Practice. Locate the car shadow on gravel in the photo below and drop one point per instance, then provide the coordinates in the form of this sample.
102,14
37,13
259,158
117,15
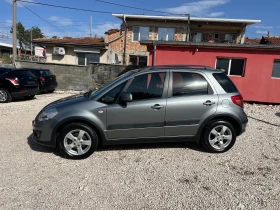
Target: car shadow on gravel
38,148
181,145
277,114
23,99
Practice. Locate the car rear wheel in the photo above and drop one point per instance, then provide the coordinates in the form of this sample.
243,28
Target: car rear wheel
219,137
77,141
5,96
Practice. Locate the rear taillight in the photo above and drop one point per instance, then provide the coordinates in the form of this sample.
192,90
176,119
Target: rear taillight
13,81
42,79
238,100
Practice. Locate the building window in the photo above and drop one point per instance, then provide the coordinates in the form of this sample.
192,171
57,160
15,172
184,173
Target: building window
197,37
231,66
166,34
216,36
140,33
230,37
85,59
136,60
276,69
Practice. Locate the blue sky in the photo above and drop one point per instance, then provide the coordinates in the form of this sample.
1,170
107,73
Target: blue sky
76,23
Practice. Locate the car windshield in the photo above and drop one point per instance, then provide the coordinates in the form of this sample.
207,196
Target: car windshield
121,77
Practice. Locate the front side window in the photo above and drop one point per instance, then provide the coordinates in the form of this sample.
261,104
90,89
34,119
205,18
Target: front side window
147,86
231,66
166,34
276,69
140,33
189,84
112,95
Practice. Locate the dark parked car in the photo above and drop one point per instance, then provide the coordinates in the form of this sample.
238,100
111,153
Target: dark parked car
46,79
17,83
164,103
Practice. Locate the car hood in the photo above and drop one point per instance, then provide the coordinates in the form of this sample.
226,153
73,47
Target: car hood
70,100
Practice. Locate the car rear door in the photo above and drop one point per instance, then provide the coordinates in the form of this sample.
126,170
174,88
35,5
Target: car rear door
191,100
144,116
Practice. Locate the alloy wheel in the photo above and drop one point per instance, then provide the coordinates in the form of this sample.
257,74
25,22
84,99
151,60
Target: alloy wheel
220,137
77,142
3,96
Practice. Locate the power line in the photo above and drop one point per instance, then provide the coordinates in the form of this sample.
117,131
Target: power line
42,18
131,7
64,7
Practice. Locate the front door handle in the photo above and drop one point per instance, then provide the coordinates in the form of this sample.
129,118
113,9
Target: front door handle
208,103
157,106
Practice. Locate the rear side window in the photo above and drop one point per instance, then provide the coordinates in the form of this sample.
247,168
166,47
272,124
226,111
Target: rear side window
23,74
189,84
46,73
225,82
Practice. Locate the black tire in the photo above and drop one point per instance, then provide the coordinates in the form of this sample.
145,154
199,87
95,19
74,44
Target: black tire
29,97
72,152
51,91
6,97
222,144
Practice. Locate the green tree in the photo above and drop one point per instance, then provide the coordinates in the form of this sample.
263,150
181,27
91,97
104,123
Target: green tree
24,35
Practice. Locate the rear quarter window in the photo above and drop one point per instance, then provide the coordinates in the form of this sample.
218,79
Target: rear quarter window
225,82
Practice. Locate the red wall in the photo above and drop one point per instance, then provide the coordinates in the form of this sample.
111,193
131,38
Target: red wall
256,85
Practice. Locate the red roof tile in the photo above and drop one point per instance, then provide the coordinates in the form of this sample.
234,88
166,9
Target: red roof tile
112,31
273,39
72,41
252,41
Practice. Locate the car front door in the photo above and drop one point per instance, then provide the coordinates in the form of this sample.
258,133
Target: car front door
191,100
144,116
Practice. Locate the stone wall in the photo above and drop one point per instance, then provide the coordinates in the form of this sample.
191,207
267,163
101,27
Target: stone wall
72,77
69,77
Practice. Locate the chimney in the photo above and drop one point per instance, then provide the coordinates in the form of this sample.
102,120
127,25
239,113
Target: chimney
268,34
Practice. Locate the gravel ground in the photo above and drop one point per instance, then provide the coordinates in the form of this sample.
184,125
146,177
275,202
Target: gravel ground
157,176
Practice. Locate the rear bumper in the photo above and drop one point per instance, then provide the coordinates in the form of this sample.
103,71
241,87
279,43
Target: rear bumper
48,86
28,92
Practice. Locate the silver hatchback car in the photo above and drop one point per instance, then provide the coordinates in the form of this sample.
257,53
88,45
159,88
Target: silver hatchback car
153,104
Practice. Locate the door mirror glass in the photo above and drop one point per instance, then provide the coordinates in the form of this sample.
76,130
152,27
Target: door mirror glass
126,97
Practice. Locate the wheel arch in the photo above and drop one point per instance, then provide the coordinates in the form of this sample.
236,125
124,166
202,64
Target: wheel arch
62,124
236,123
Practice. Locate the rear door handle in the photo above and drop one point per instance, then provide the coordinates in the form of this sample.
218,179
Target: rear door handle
208,103
157,106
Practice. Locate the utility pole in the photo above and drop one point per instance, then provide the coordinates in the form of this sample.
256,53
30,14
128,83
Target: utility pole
14,32
31,41
188,34
90,25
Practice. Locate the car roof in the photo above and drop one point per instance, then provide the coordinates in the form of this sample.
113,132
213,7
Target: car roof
180,67
37,69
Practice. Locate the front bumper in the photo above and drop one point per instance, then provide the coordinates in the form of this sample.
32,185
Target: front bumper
28,92
42,133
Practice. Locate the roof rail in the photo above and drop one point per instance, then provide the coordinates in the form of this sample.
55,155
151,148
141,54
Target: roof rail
189,66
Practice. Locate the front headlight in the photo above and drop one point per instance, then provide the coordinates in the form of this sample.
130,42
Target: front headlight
47,114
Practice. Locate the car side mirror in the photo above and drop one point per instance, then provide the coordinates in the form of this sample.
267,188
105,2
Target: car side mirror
126,97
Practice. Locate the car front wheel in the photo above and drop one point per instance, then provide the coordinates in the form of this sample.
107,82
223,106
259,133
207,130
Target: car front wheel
77,141
219,137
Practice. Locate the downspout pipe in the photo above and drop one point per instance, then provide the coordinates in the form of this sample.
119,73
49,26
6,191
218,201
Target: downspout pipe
155,53
125,37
